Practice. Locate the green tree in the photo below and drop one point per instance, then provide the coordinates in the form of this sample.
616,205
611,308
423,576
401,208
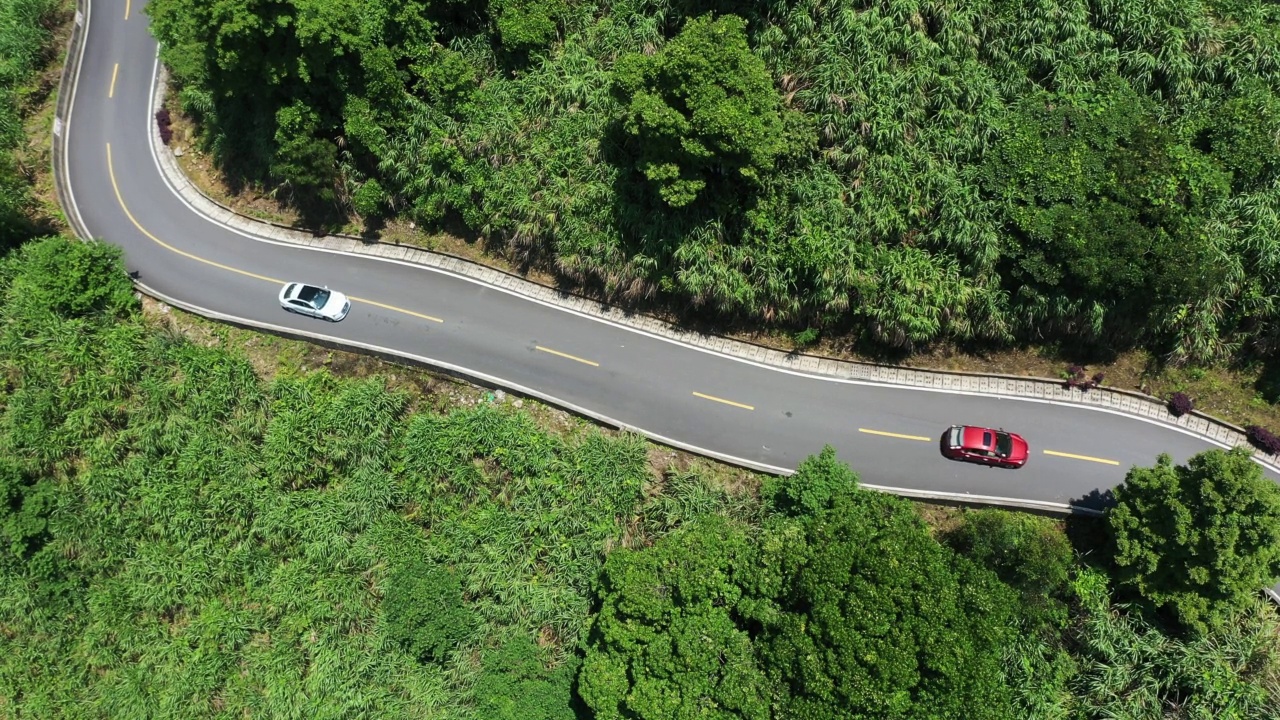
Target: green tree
425,610
1197,540
701,109
816,484
871,618
1106,207
665,644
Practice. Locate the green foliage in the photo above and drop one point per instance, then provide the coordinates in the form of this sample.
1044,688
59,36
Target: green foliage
1058,170
1243,134
516,684
25,505
1197,540
1129,669
370,200
871,617
1107,204
1027,552
426,613
25,27
700,109
72,280
665,643
303,162
526,24
182,539
197,542
816,484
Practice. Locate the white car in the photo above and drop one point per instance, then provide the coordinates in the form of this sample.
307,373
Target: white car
315,301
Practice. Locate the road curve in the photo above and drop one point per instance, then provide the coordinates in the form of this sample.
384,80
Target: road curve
754,415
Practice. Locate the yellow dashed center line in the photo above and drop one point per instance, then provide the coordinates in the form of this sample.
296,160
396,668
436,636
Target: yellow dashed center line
393,308
111,172
566,356
120,199
114,71
1104,461
713,398
126,9
894,435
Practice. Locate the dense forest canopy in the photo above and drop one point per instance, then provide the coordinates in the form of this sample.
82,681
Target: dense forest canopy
1103,171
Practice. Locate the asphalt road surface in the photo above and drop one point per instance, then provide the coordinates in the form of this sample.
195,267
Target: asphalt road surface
725,407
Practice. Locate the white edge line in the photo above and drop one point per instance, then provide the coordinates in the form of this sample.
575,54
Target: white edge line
1059,507
672,341
637,331
78,221
604,419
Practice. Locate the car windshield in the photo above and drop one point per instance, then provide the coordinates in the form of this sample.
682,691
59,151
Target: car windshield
314,295
1004,443
954,440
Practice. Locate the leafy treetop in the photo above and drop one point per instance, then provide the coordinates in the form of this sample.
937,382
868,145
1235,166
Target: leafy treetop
701,110
1197,540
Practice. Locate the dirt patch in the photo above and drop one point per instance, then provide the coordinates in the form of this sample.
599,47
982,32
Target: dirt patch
941,519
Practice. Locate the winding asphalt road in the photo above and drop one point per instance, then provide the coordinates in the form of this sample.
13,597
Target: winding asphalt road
755,415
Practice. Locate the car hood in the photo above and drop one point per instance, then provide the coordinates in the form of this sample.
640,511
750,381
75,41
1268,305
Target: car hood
1019,451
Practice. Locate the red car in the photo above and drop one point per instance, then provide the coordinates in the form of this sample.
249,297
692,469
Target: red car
984,446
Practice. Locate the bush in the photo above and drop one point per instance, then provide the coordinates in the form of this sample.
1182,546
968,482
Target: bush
370,199
816,484
516,684
71,279
425,611
1264,439
1180,404
1027,552
806,337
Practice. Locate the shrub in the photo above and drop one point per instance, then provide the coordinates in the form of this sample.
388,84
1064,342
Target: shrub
71,279
1264,439
516,684
370,199
1027,552
816,484
425,610
806,337
1097,379
1075,377
1180,404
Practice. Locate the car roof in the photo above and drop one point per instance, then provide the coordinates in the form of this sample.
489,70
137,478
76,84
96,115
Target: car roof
308,292
972,437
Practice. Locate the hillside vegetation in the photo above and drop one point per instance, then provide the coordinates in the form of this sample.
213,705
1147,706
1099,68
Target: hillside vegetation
1098,172
180,538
